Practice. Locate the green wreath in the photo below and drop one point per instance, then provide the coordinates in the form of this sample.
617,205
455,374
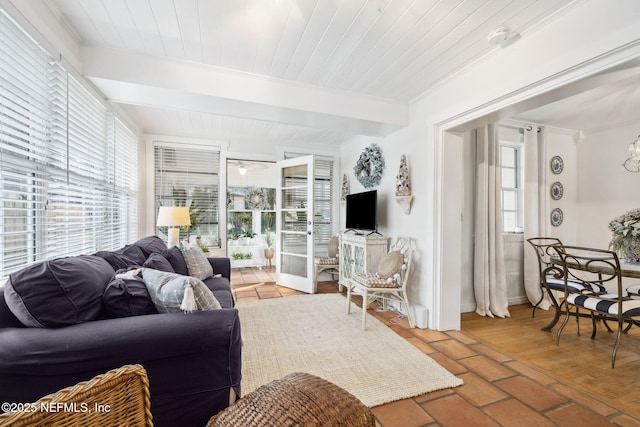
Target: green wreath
368,170
256,199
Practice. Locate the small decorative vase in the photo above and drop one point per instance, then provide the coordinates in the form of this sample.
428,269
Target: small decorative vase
268,254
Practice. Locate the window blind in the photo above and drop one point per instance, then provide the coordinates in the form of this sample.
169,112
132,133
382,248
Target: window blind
189,176
23,144
323,198
63,160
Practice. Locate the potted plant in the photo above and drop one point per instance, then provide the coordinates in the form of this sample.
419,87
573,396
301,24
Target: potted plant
233,236
626,235
248,235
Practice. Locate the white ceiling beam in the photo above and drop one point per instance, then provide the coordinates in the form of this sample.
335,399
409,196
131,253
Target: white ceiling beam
148,81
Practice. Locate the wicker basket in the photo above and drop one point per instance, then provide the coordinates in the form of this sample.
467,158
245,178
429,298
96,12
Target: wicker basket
119,397
298,399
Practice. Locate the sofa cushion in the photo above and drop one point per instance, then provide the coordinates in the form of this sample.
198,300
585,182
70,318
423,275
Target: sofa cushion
151,245
126,297
221,290
171,292
197,263
158,262
175,258
59,292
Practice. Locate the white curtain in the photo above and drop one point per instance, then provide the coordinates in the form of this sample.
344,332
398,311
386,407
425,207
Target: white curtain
490,283
535,204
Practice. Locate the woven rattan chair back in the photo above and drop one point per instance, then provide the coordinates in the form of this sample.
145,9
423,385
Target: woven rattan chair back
119,397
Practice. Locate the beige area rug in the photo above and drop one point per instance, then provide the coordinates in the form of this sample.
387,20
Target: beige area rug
314,334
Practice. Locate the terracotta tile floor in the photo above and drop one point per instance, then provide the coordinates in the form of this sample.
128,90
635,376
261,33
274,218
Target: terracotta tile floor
498,390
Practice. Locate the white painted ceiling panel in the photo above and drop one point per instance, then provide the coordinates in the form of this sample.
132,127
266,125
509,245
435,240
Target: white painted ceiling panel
389,49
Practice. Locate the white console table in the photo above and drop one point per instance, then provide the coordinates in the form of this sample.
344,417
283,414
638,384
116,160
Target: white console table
360,254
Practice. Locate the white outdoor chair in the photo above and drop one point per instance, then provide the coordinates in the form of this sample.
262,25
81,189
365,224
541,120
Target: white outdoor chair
330,263
389,282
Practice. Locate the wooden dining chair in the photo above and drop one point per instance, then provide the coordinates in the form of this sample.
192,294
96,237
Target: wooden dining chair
594,268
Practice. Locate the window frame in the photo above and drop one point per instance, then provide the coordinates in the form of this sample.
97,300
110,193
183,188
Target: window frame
518,189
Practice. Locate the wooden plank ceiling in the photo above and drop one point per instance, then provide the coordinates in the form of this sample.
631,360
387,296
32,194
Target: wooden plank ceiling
393,50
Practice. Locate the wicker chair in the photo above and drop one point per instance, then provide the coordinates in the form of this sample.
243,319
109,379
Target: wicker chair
389,283
119,397
330,263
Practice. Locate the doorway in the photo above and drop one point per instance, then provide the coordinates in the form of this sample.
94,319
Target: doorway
251,212
451,141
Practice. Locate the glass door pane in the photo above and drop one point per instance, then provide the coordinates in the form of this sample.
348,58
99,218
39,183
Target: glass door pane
294,266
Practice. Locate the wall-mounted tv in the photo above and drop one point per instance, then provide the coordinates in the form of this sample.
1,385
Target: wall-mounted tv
362,209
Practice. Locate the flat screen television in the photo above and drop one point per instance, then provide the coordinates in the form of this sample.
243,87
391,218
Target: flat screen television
362,211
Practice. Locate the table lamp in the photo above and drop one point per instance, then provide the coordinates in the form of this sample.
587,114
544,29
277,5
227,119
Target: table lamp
173,217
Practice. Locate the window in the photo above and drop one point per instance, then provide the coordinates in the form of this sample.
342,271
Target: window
189,176
511,164
323,222
245,218
62,191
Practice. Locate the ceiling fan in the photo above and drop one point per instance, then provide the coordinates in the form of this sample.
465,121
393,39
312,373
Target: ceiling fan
246,165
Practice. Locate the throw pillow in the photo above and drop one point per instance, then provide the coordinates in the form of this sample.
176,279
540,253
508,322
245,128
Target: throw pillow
59,292
171,292
134,253
158,262
151,245
390,264
125,297
175,258
197,263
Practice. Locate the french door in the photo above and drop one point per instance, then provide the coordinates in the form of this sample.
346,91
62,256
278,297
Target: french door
294,224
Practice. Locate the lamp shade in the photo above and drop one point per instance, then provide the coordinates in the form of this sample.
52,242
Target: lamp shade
173,216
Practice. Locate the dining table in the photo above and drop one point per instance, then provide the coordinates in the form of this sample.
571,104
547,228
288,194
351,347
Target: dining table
627,269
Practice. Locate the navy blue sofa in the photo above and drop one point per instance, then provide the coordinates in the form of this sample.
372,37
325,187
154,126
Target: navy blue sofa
193,360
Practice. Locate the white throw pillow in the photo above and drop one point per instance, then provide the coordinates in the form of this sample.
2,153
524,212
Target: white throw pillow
171,292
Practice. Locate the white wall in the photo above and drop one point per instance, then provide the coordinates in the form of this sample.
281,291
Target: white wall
577,44
605,189
561,142
392,221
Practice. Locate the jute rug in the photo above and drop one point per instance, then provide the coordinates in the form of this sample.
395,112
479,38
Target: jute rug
314,334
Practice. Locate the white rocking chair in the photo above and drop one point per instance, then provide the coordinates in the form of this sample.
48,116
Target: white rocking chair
389,283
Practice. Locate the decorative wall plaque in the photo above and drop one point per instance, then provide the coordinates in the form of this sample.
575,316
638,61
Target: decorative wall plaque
556,217
557,165
557,191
